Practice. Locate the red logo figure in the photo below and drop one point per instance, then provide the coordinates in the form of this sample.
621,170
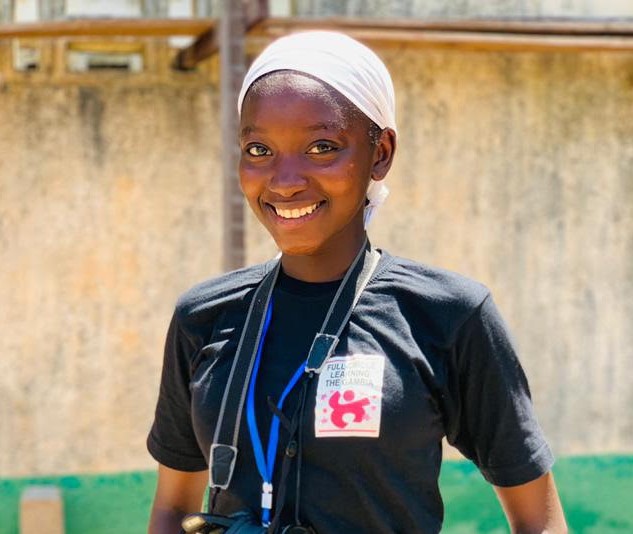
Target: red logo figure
357,408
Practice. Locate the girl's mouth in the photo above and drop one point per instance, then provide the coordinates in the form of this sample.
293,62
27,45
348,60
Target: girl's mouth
296,213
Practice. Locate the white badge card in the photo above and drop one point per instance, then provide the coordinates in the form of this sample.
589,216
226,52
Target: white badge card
349,396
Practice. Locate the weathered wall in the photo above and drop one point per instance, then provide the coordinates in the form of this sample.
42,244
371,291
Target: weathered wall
518,170
514,169
109,207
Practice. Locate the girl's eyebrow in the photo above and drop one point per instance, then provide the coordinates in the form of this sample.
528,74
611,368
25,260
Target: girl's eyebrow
327,125
247,130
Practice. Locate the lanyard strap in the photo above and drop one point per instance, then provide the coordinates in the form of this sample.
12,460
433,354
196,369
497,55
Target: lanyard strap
348,293
266,463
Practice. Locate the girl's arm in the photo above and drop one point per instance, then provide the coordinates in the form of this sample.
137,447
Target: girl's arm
178,493
534,507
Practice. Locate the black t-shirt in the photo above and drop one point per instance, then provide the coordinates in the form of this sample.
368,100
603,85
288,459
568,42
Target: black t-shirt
298,311
424,355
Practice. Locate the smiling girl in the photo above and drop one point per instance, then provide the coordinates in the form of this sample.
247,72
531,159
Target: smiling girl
358,363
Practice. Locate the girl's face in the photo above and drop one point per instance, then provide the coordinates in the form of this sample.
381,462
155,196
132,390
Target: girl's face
306,161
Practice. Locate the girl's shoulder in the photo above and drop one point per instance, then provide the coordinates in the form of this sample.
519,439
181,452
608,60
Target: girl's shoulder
433,303
228,289
429,290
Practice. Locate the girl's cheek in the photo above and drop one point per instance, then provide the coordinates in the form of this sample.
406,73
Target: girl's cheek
248,178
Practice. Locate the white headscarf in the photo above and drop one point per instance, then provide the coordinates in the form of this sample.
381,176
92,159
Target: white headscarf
348,66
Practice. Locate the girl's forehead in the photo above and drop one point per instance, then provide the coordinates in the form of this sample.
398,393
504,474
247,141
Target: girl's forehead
302,87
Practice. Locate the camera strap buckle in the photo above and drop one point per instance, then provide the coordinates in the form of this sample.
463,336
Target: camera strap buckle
221,465
322,348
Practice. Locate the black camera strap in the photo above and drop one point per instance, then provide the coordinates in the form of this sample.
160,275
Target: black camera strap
293,449
224,447
223,452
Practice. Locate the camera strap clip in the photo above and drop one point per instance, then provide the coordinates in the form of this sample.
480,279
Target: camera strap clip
222,462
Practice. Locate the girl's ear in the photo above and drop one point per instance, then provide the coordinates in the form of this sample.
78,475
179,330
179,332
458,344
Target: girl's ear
383,154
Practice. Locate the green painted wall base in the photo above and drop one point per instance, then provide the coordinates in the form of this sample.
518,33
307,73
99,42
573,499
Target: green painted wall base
597,496
597,493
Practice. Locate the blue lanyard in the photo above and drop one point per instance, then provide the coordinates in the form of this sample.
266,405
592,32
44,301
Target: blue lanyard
266,464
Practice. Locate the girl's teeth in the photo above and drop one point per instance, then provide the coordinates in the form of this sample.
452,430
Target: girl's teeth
296,213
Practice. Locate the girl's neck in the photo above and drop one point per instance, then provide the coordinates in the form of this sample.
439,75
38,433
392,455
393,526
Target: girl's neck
321,267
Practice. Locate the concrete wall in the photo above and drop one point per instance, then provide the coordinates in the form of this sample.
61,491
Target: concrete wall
109,207
518,170
514,169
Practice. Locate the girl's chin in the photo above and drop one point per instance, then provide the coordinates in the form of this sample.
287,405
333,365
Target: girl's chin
305,246
297,250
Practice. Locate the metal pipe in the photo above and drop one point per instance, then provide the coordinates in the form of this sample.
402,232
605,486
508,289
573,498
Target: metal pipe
232,70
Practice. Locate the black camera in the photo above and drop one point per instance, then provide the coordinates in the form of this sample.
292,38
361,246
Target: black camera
239,523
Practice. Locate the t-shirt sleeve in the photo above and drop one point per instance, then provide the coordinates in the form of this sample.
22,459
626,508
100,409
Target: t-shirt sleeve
171,440
495,423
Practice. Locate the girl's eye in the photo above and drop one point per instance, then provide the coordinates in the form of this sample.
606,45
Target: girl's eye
258,150
321,148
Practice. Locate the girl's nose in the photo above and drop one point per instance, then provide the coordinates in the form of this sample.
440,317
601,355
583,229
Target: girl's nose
287,178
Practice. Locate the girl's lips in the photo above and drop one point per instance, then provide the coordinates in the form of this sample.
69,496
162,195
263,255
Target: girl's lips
294,215
296,212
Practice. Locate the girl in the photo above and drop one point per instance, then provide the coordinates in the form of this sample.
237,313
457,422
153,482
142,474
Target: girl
315,389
